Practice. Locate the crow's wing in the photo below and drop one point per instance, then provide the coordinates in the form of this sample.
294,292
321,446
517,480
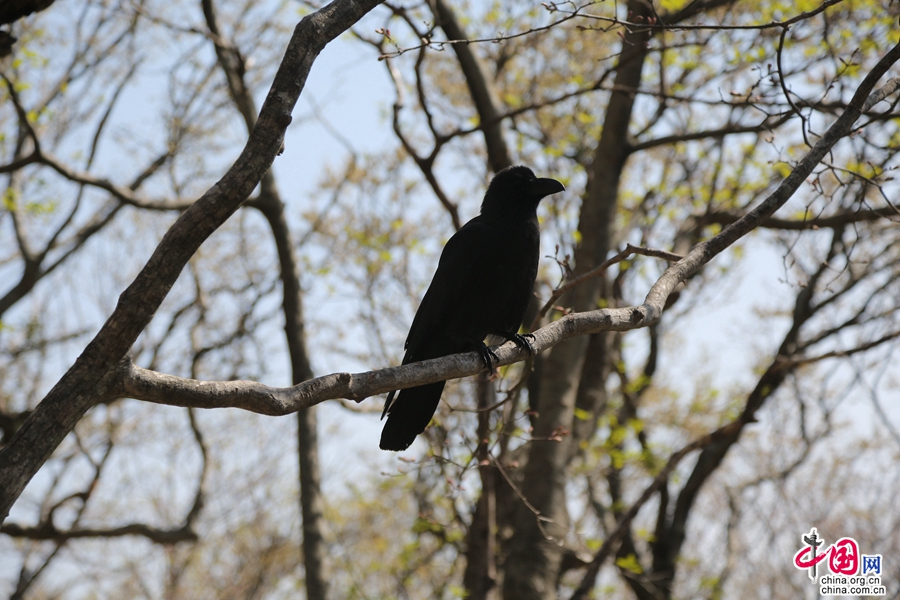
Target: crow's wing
461,286
442,326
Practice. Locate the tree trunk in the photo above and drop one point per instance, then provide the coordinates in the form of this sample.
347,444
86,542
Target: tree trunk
536,548
315,556
480,577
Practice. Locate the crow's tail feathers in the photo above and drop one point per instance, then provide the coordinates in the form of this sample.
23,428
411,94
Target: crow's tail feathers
409,415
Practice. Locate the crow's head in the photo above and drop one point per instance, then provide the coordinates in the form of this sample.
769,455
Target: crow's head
516,191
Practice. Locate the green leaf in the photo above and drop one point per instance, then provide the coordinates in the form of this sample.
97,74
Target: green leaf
630,563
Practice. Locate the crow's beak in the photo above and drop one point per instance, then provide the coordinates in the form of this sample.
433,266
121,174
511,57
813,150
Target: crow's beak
546,186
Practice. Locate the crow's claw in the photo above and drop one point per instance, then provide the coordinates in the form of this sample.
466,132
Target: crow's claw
525,342
486,355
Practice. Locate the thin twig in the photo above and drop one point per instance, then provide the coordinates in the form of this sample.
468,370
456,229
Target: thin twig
600,270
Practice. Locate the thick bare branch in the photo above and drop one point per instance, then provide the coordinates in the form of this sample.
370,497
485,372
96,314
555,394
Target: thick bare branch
143,384
49,532
826,222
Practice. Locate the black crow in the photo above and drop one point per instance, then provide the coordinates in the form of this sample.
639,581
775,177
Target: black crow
482,286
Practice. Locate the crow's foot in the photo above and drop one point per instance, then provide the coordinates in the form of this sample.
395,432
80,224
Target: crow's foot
525,342
486,355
